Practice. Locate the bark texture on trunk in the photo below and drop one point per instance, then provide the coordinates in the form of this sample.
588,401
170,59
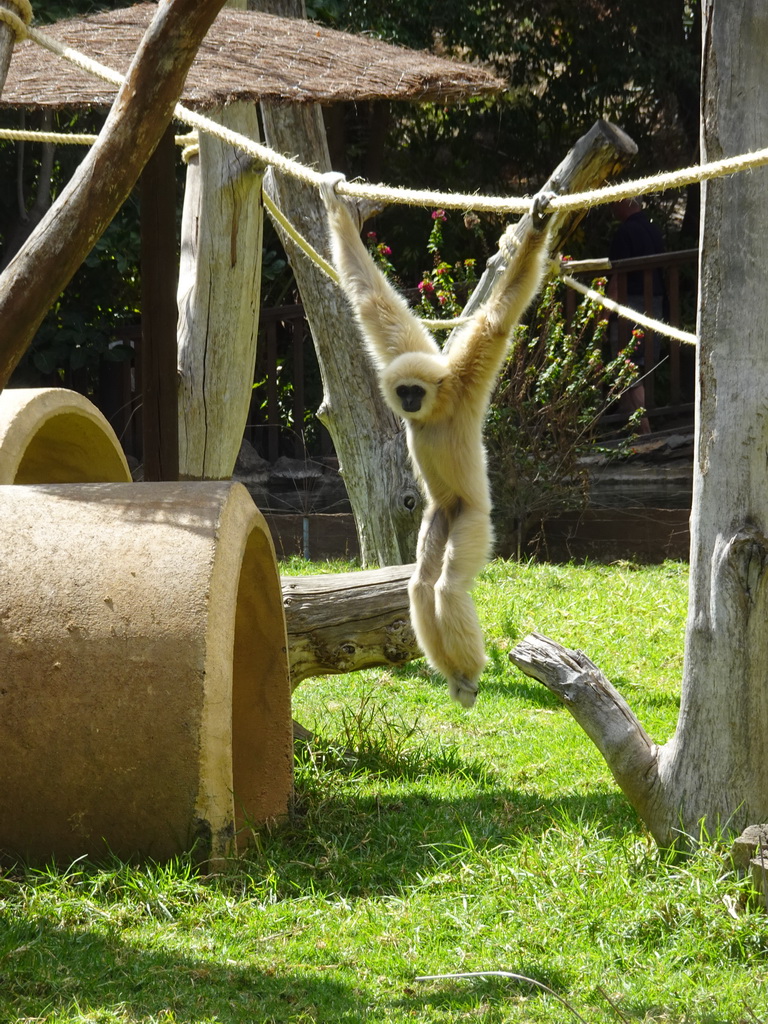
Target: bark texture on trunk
7,39
218,299
342,622
139,116
715,767
718,761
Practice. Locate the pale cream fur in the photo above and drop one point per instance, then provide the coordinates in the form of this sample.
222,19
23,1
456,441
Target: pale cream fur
445,435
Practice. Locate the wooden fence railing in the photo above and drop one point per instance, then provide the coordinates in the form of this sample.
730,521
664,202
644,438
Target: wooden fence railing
668,363
288,389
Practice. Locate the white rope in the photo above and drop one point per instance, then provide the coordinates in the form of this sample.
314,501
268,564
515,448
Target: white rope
628,313
18,22
306,247
413,197
59,138
416,197
268,156
188,142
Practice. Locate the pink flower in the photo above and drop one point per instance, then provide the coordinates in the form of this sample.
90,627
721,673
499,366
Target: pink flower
371,236
385,250
439,215
426,287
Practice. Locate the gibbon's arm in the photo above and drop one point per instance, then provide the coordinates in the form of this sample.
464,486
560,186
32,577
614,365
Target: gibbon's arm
478,351
388,326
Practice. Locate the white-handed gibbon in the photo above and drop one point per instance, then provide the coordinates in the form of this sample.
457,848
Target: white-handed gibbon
443,398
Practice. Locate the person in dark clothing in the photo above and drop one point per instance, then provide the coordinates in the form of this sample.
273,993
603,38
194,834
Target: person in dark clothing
635,236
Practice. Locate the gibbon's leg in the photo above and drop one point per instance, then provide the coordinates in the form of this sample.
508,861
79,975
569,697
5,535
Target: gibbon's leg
430,556
467,551
433,535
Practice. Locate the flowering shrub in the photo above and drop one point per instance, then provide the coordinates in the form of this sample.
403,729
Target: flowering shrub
556,384
380,252
439,286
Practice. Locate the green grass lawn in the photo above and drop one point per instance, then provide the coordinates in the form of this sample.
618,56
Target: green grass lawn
425,840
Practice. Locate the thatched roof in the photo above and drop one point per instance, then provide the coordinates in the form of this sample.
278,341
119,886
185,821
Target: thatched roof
245,56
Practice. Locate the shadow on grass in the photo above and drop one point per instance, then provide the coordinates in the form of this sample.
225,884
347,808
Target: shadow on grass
353,846
47,970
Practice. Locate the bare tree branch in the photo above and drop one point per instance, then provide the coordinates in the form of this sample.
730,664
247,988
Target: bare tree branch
140,114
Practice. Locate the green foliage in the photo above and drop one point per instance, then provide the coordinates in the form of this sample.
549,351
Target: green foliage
567,63
445,286
544,414
425,839
380,253
83,328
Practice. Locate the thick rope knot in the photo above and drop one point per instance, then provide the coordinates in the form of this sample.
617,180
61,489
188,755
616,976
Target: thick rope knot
18,19
190,146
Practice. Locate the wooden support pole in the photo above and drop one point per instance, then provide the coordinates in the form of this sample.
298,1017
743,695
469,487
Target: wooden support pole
7,39
142,110
158,313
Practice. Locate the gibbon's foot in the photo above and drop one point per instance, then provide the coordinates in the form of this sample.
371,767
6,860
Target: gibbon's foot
328,184
539,213
463,690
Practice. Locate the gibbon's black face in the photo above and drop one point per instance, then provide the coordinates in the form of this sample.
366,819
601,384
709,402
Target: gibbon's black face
411,396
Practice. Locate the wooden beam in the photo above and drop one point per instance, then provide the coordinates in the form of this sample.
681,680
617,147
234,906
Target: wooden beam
159,275
45,264
342,622
7,39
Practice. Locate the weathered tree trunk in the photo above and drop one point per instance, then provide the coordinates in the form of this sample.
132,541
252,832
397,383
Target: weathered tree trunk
718,761
7,39
715,767
601,154
369,440
218,299
139,116
342,622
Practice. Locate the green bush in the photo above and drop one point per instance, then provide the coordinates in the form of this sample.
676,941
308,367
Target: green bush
544,415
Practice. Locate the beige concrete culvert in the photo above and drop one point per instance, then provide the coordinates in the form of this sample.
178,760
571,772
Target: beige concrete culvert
52,435
144,691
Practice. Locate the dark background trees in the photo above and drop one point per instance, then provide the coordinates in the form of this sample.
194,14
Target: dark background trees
568,62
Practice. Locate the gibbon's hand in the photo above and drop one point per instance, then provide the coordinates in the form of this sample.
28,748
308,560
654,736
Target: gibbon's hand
539,214
328,192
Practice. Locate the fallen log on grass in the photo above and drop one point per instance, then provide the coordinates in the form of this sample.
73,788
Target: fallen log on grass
342,622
